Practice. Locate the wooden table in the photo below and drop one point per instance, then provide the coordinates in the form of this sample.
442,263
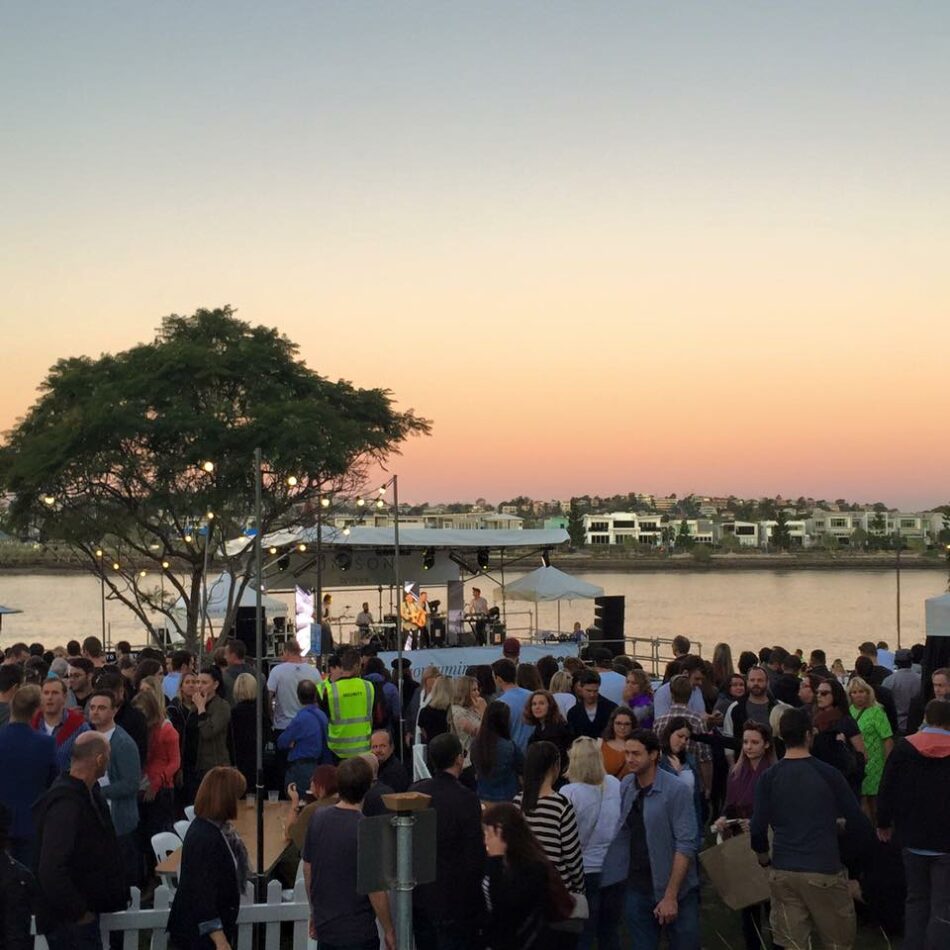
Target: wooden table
246,826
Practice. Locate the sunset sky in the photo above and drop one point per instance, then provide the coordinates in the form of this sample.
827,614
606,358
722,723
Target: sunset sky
603,246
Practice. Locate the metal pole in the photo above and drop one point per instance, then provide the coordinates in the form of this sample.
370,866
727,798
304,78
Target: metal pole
319,591
898,590
402,737
504,602
259,650
404,880
102,597
204,590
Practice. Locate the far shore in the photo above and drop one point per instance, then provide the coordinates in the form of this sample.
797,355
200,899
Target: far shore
581,562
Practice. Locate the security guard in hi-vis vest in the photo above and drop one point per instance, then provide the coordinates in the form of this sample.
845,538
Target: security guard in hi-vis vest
348,700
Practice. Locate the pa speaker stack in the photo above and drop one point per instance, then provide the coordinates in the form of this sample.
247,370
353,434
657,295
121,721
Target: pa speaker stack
607,631
245,628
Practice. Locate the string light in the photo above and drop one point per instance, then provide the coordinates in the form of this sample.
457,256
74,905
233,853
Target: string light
208,466
301,548
324,502
115,565
49,500
142,573
292,481
272,550
360,502
99,552
188,538
165,565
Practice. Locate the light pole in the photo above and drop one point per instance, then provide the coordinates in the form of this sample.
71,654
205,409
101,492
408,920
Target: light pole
102,591
259,650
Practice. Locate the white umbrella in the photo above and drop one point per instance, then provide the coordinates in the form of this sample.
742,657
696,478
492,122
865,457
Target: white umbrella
547,584
8,610
937,613
937,642
219,593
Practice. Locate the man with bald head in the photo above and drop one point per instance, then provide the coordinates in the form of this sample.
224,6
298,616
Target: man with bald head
79,866
391,771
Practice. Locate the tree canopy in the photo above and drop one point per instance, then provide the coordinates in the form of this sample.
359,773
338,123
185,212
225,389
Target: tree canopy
111,458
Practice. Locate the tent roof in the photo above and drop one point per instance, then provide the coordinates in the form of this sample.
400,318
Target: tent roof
548,583
218,599
937,613
363,537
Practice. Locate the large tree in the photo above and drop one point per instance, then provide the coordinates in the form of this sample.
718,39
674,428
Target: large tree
138,460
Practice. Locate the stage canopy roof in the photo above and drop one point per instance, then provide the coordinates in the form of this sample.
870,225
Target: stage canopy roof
439,538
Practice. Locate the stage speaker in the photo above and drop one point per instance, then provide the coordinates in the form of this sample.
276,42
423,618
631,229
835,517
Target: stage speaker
245,628
608,623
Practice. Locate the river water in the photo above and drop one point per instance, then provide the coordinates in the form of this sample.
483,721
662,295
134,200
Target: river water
834,610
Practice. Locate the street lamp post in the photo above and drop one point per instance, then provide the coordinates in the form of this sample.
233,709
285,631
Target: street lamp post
102,591
259,650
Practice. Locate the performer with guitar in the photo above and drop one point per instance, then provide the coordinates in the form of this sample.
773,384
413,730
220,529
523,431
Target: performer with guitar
414,619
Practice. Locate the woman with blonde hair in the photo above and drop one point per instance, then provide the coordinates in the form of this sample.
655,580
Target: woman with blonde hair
595,796
875,728
434,716
160,767
638,695
244,725
153,684
562,688
466,711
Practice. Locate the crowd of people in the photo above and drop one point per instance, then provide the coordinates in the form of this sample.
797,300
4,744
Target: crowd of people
572,797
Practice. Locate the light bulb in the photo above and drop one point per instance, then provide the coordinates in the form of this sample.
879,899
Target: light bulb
208,467
292,480
360,502
325,502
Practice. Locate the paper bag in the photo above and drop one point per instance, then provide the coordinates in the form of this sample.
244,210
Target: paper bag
735,873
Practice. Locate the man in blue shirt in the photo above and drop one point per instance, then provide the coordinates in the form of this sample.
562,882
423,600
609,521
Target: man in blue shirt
651,863
515,698
27,769
801,799
692,666
305,737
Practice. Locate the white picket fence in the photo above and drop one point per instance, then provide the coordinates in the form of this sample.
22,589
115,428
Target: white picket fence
132,922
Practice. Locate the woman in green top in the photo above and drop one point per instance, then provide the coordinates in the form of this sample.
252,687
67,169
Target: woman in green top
878,741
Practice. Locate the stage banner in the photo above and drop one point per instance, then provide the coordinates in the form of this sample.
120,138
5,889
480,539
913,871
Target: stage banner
303,608
455,612
453,661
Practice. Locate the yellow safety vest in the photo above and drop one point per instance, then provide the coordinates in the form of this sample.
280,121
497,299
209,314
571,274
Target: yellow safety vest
350,702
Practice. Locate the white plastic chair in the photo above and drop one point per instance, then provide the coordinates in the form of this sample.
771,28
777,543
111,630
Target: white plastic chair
190,812
164,844
287,894
181,828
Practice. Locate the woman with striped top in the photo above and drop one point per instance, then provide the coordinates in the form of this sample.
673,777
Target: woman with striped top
551,817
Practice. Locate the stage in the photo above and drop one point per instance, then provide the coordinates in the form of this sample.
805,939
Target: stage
453,661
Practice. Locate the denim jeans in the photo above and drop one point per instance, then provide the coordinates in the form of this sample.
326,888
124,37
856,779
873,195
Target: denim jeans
76,937
927,910
644,931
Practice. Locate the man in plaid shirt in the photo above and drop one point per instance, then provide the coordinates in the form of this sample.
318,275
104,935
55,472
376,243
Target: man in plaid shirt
680,690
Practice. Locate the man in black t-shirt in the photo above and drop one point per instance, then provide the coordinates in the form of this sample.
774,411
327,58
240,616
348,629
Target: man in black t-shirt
801,799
